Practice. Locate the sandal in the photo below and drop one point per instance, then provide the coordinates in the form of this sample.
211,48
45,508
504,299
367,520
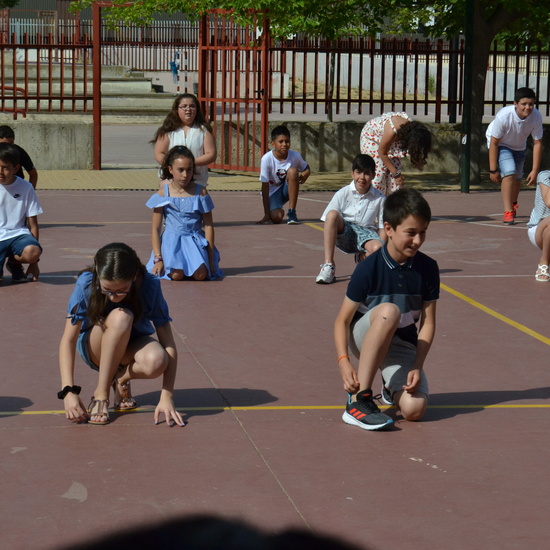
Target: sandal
127,402
542,274
99,407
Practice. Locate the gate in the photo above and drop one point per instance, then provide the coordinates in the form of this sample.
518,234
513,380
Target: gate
233,88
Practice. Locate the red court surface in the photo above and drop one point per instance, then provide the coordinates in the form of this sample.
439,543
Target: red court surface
259,385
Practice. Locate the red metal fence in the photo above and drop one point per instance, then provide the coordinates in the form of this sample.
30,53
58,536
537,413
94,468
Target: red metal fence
353,76
45,77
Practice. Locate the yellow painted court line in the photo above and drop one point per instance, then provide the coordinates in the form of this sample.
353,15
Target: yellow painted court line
497,315
289,408
315,226
480,306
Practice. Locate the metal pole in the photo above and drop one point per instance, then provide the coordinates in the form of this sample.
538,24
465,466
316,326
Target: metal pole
96,72
467,109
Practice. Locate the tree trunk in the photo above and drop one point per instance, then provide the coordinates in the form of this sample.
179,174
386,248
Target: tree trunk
484,32
479,74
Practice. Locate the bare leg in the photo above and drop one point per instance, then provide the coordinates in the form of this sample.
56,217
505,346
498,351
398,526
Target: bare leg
201,273
372,246
277,215
334,225
384,320
293,181
509,188
107,348
412,405
146,359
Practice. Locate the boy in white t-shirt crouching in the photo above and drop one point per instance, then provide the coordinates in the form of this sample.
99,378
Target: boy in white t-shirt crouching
282,171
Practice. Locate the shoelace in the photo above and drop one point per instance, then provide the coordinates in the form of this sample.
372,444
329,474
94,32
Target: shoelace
369,404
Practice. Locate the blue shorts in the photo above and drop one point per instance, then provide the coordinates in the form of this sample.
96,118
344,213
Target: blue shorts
278,199
15,246
354,236
83,347
510,162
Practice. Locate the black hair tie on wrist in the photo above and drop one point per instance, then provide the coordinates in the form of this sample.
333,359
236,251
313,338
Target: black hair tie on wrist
68,389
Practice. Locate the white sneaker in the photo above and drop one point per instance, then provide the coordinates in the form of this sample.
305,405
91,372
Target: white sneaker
326,275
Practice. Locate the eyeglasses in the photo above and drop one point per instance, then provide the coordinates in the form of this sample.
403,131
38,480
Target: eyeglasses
188,107
116,294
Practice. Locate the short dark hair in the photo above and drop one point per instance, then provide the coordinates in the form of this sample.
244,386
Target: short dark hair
363,163
6,132
9,153
403,203
280,131
524,93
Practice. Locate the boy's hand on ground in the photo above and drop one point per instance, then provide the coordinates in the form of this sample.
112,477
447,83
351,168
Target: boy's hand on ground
34,271
349,376
413,379
265,220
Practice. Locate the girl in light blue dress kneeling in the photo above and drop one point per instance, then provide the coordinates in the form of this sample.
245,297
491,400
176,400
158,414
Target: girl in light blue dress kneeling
184,248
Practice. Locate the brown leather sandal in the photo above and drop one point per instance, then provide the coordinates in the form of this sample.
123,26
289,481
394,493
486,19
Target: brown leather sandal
127,402
99,407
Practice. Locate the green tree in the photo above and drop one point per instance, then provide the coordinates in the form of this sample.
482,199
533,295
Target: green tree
8,3
525,19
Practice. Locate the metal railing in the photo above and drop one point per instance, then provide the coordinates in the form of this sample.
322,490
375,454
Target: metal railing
45,77
348,77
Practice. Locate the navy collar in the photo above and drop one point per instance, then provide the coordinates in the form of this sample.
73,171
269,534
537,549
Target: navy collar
391,263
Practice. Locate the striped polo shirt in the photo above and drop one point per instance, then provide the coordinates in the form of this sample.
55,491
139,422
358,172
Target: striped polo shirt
380,279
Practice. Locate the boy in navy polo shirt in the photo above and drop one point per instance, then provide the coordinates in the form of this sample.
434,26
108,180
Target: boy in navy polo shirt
389,292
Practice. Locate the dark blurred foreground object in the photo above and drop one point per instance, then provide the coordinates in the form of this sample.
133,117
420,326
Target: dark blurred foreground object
211,533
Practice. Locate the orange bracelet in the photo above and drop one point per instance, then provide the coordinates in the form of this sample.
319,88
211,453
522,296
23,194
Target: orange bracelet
340,358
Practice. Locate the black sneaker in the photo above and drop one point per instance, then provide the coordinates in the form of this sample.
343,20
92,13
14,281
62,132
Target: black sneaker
17,274
386,396
364,413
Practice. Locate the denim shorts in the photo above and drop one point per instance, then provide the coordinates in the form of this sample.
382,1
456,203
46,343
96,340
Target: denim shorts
278,199
354,236
84,349
511,162
16,245
398,362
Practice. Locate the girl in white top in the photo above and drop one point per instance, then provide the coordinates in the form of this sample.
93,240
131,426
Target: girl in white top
185,125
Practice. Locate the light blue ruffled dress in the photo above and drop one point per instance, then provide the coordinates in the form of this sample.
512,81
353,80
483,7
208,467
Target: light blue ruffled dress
183,242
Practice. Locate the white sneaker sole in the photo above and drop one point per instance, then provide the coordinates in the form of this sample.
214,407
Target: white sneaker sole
321,281
349,419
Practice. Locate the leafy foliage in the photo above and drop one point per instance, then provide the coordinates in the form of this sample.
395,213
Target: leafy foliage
527,19
8,4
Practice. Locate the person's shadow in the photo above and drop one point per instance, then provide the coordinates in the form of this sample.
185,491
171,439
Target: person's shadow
207,401
447,405
12,405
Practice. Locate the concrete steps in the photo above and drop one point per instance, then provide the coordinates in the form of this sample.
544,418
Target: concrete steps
151,104
123,92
